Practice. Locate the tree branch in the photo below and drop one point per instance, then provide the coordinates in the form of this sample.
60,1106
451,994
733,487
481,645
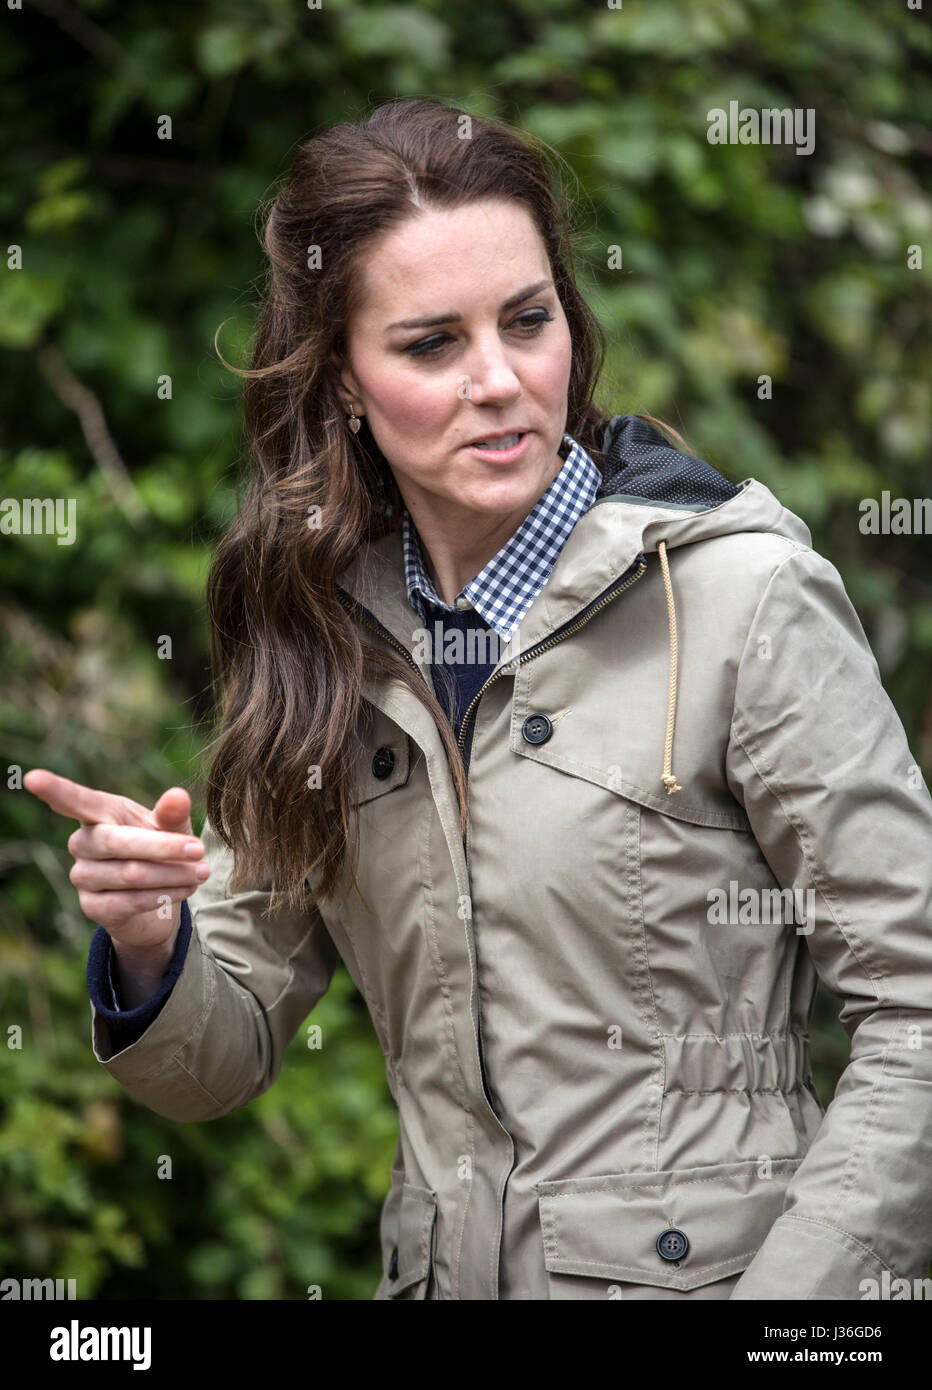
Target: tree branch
79,398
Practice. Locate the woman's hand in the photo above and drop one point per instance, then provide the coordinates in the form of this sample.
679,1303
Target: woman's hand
132,867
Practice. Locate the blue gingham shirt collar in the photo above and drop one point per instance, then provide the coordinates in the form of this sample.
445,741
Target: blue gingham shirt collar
504,589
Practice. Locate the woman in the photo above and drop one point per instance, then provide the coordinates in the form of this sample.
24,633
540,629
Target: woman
590,966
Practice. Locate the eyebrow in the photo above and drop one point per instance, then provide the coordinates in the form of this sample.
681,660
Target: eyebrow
436,319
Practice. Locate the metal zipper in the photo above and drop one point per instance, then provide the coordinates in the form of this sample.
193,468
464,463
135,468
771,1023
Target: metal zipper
356,608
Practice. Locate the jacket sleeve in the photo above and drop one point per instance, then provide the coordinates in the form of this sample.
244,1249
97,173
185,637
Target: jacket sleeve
819,759
246,984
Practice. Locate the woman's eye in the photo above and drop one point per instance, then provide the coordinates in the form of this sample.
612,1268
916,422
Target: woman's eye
533,324
528,325
424,348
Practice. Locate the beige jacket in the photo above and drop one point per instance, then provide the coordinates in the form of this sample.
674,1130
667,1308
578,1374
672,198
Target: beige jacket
594,1013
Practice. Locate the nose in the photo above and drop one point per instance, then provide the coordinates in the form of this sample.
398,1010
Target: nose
491,378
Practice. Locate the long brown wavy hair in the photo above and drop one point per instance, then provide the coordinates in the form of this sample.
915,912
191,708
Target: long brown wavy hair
288,659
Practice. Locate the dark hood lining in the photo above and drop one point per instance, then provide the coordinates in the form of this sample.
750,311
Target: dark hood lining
641,462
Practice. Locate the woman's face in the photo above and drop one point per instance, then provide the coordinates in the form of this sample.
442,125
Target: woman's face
460,334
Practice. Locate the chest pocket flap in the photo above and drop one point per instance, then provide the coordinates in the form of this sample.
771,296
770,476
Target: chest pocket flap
607,724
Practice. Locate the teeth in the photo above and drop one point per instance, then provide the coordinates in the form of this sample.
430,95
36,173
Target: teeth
508,442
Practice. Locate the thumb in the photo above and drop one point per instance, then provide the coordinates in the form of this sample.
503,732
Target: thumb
172,811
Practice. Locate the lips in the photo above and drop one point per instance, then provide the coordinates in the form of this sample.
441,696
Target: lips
501,450
504,439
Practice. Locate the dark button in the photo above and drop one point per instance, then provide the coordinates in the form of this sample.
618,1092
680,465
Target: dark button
672,1245
537,728
382,763
393,1264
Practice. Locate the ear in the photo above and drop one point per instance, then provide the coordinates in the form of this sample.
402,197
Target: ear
351,393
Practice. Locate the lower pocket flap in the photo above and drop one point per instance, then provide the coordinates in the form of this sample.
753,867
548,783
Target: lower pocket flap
610,1226
411,1256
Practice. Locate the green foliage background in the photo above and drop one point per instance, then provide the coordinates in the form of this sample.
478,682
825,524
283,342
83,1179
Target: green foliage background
737,261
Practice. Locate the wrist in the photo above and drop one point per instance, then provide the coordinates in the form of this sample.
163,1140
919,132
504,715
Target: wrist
137,972
148,958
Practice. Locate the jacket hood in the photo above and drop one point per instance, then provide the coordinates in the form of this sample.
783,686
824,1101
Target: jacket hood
664,498
659,492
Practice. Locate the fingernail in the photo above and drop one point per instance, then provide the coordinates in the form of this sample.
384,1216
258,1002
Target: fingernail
193,848
201,872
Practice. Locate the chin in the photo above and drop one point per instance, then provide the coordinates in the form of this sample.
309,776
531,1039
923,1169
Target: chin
502,500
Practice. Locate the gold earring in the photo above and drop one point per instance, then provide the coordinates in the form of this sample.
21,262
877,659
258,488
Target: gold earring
354,422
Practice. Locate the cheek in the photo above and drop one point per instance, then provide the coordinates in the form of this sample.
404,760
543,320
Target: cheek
403,404
554,373
545,374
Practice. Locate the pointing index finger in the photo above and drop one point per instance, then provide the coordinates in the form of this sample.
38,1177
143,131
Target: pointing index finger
67,798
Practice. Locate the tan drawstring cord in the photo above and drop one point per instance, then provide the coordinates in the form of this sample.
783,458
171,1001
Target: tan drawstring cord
668,778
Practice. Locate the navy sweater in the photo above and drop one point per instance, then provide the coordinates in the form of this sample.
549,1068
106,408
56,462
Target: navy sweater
126,1026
